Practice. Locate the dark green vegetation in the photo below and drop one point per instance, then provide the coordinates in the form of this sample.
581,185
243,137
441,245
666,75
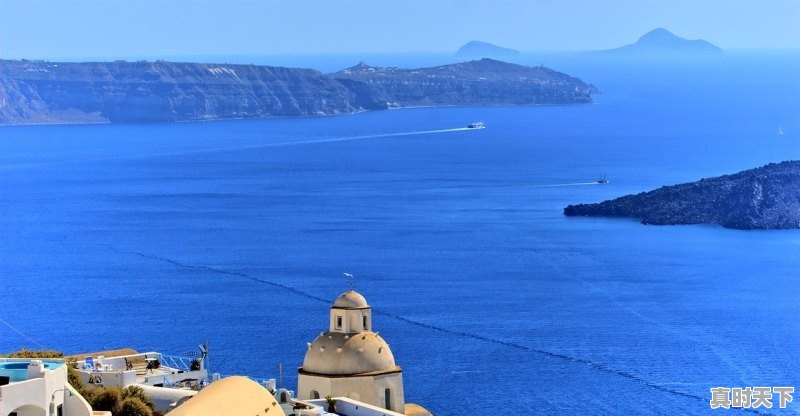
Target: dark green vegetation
49,92
128,401
763,198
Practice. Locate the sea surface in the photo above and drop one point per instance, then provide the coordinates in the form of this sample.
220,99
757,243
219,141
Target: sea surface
163,236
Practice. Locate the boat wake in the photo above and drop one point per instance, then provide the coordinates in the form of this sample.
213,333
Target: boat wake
341,139
242,147
509,344
556,185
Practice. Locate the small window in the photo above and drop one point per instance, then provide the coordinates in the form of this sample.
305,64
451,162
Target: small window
366,326
314,394
339,322
388,396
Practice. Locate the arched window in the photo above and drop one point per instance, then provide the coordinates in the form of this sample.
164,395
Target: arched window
29,409
283,397
388,397
366,325
314,394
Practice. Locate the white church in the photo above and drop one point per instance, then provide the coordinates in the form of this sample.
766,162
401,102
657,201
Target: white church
349,360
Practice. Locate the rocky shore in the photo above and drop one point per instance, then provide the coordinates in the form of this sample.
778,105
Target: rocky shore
763,198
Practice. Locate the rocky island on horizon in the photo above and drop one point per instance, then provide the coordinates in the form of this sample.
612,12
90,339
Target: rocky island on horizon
661,43
34,92
762,198
478,49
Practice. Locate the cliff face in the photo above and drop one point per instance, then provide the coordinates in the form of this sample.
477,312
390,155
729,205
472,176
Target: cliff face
43,92
763,198
483,82
164,91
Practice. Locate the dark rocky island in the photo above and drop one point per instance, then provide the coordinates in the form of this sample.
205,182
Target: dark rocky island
763,198
477,49
663,43
50,92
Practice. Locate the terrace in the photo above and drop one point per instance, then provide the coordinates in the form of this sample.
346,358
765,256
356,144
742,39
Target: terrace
149,369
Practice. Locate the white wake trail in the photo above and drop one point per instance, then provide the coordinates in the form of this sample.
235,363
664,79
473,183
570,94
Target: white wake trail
561,184
330,140
245,147
551,185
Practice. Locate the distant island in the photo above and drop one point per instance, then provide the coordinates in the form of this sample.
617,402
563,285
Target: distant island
763,198
57,92
662,43
482,82
477,49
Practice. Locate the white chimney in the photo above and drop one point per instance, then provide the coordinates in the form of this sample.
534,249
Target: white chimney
35,369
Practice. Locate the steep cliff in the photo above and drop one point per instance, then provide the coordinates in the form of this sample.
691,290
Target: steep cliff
483,82
763,198
47,92
164,91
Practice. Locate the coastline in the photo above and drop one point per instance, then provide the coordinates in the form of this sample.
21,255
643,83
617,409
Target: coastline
412,107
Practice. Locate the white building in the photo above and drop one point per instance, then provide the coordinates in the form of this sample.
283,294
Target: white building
165,379
34,387
142,369
349,360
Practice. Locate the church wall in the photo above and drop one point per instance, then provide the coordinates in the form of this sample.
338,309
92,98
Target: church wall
307,383
367,389
352,320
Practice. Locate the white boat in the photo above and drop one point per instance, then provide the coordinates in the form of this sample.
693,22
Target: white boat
603,180
476,125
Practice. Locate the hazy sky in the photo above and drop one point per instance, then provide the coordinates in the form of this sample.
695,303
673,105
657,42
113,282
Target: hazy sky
129,28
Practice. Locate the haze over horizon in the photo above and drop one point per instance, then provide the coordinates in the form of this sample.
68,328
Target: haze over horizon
48,29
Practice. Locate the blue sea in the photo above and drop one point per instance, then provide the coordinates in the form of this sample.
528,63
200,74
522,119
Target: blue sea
163,236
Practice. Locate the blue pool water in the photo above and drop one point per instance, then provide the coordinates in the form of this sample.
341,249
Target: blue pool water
161,236
18,370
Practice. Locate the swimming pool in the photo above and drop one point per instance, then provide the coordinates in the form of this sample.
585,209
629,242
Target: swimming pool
17,370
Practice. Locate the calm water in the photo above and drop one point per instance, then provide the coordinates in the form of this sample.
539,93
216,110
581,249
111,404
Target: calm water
165,235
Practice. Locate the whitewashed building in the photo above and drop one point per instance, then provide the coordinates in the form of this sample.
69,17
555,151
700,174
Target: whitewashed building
38,387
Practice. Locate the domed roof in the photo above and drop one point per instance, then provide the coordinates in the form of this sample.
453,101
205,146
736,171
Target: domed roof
335,353
233,396
350,300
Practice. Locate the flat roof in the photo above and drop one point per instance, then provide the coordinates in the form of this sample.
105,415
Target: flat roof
107,353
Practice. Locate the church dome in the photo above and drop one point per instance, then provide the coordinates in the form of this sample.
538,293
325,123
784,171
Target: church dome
234,395
336,353
350,300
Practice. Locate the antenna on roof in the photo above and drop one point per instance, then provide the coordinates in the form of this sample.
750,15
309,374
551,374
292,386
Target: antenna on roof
350,280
